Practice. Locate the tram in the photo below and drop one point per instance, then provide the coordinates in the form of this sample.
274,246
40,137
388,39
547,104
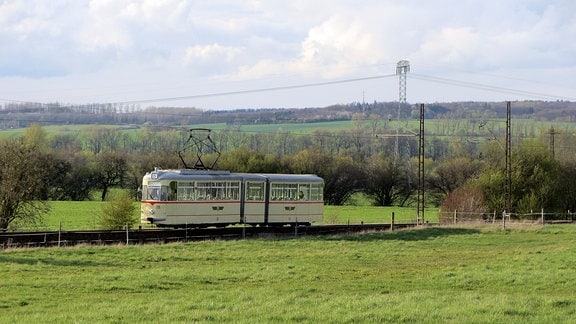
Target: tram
203,198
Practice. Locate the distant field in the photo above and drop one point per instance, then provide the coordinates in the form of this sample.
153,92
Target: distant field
300,128
433,127
425,275
72,215
54,129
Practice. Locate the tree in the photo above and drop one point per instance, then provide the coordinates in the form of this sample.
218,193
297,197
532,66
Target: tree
244,160
312,161
79,182
389,182
342,177
453,173
54,168
56,173
35,136
21,184
566,186
118,212
111,169
466,199
384,179
534,176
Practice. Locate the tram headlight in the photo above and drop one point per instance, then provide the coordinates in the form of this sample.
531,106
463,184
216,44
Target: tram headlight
151,212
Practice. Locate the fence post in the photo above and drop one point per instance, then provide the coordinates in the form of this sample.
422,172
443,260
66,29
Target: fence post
542,216
127,236
455,216
392,223
296,228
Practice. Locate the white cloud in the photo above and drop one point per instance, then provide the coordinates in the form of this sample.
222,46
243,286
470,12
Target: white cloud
339,40
283,42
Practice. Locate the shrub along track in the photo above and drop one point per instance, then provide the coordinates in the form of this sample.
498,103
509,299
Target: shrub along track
142,236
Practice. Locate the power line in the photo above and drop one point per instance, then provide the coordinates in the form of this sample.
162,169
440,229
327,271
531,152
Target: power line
240,92
427,78
228,93
486,87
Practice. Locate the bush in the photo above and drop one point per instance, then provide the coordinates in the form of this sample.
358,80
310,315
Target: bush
118,212
467,200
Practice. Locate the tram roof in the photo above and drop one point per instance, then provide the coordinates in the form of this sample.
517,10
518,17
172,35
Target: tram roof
190,174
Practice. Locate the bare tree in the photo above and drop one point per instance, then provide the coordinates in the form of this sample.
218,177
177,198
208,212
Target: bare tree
453,173
111,170
21,184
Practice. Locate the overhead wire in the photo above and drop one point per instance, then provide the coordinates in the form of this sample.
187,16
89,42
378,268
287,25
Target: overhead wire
227,93
257,90
317,84
427,78
486,87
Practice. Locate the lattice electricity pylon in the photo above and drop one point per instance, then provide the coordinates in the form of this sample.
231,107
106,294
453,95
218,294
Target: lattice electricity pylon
199,141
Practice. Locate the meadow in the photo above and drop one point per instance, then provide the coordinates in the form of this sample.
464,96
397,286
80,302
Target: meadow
434,127
83,215
424,275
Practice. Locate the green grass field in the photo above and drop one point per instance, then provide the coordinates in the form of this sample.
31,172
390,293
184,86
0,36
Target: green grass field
433,126
426,275
83,215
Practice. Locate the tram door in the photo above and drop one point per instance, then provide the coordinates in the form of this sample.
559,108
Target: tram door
254,202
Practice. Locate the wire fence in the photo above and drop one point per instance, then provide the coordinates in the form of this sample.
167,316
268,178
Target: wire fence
505,219
443,218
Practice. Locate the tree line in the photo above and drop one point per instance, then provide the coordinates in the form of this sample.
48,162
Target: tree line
460,174
23,114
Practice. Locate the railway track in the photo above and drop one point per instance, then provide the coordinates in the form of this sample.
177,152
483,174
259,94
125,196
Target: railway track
137,236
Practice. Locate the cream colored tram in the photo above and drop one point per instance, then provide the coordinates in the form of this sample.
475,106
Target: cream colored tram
201,198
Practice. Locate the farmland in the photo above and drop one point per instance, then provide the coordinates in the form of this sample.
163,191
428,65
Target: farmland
526,128
430,274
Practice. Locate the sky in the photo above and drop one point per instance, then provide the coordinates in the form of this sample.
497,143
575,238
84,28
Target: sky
232,54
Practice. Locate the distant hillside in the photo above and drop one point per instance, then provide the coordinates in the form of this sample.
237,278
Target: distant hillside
18,115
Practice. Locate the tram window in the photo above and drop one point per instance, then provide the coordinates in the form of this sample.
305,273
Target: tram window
232,190
316,190
218,190
164,193
276,191
173,191
255,191
186,191
303,191
284,191
203,191
291,192
152,191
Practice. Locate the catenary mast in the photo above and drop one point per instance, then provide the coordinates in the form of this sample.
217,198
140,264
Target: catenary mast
402,68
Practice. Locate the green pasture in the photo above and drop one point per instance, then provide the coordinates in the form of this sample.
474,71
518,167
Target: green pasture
433,127
300,128
83,215
54,130
425,275
73,215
